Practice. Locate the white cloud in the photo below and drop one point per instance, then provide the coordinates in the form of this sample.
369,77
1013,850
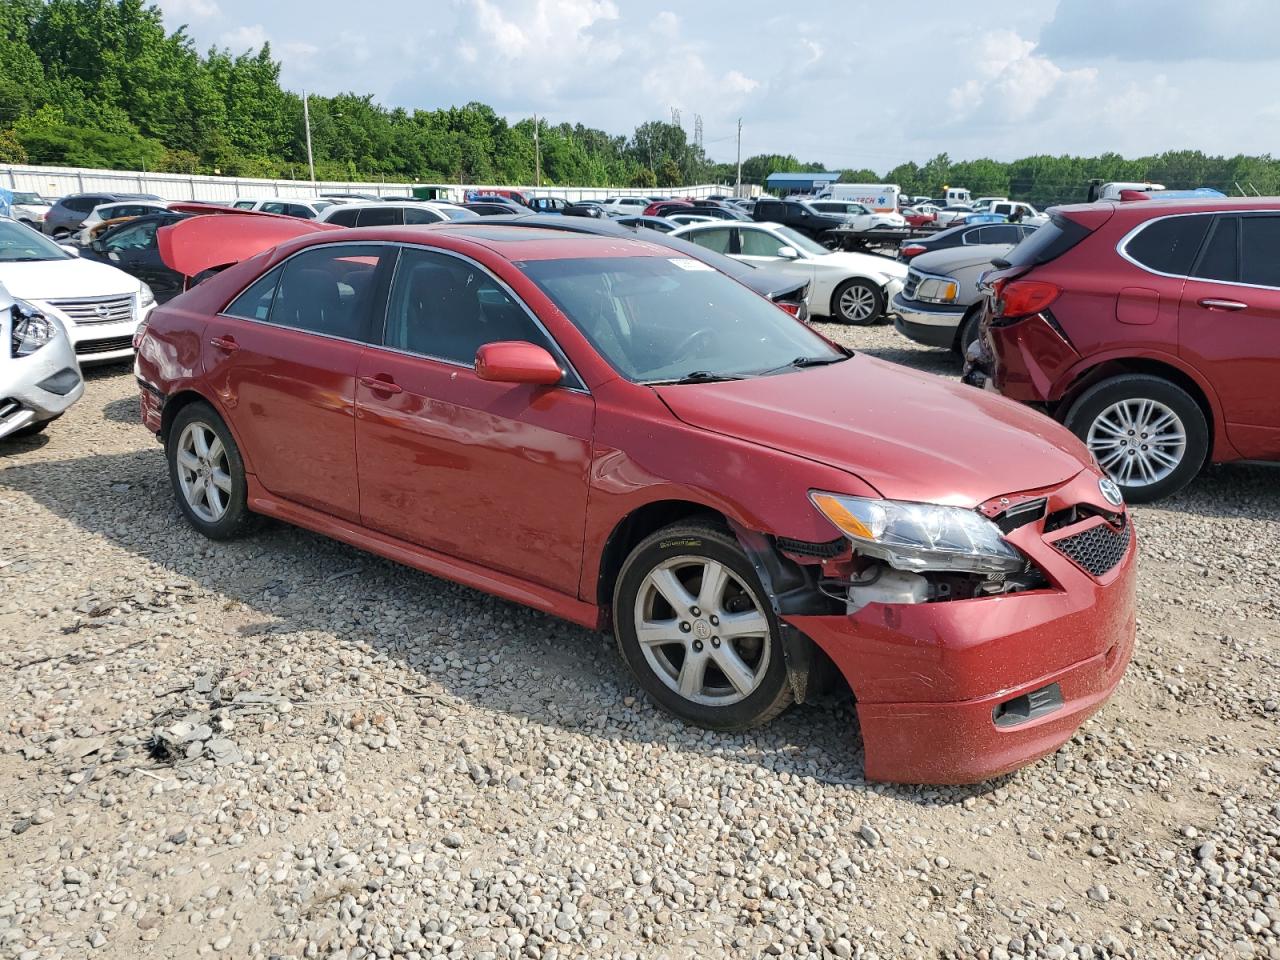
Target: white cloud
244,38
190,9
1011,83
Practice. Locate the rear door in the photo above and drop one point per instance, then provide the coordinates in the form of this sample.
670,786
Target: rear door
283,357
493,473
1229,327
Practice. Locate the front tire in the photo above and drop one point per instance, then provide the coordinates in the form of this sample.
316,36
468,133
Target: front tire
858,302
1146,432
207,473
696,628
967,333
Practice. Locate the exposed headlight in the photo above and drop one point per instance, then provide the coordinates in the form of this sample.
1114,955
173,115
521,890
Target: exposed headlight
148,298
30,329
937,290
920,536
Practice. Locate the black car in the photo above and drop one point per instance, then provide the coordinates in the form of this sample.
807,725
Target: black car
564,207
661,224
965,235
496,207
66,216
786,290
132,248
798,216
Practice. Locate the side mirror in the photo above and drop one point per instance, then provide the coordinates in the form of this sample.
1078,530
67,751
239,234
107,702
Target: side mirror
789,253
74,251
517,361
97,247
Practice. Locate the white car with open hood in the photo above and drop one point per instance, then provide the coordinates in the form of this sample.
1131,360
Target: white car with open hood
99,306
845,287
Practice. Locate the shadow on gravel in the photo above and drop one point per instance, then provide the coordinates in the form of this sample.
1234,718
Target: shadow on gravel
1230,491
124,410
106,371
550,672
12,446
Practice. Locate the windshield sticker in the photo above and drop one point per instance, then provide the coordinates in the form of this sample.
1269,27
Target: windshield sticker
688,263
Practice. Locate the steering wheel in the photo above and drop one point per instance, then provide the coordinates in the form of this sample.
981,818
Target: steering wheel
686,345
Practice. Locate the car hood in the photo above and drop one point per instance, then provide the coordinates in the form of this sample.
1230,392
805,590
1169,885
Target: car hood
910,435
863,263
942,262
65,279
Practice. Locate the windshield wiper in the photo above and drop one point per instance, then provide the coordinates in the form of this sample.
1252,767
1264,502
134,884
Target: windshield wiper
698,376
800,362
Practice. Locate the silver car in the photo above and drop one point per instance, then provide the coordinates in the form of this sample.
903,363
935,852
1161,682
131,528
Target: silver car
939,304
39,375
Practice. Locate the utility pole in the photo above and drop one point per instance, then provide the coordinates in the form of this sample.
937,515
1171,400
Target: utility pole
737,187
537,154
306,119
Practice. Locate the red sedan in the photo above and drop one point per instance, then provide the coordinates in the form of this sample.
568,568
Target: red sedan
619,436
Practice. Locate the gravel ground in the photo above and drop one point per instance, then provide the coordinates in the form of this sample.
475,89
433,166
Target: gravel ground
356,760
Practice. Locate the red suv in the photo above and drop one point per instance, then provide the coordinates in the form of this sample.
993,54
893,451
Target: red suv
1150,328
608,431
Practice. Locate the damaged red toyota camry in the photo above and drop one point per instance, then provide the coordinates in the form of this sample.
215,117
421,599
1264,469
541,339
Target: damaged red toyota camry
615,435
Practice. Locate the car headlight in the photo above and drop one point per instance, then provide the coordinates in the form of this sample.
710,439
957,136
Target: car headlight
30,329
148,298
937,290
920,536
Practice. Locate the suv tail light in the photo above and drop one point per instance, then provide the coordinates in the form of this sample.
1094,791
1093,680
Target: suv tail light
791,308
1022,298
913,250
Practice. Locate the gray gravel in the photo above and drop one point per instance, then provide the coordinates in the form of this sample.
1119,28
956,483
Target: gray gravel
284,747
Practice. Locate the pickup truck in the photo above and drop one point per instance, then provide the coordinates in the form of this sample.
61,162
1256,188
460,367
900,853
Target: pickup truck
799,216
827,222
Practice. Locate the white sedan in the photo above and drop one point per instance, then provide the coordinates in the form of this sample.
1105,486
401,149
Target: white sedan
948,215
99,306
848,287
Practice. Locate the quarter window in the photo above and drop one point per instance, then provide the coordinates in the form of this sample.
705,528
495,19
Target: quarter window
345,217
1169,245
444,307
420,215
1260,250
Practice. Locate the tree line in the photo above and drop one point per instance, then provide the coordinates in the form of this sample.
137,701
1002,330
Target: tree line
101,83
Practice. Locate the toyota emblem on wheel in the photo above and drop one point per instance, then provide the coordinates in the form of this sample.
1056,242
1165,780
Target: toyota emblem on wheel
1111,492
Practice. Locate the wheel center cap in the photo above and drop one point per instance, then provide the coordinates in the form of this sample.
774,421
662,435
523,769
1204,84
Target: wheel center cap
701,630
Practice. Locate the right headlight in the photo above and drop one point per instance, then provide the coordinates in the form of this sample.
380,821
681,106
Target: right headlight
937,290
920,536
29,329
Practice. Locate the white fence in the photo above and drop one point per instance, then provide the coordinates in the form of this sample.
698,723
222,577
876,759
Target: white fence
60,181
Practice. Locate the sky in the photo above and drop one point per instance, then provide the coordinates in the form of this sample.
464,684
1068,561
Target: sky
852,83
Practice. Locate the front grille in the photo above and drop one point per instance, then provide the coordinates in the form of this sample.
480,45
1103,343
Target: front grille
111,344
1096,550
8,407
93,310
909,289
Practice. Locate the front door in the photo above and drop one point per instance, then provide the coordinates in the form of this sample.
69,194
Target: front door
493,473
1229,327
283,358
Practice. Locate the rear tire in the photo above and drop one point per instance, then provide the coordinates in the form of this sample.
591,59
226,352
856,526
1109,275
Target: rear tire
207,474
858,302
711,652
1146,432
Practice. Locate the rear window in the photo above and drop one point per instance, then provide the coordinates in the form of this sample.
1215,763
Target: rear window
1047,243
1169,245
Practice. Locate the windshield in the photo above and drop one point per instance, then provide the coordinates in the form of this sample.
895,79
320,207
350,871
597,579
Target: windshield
21,244
321,205
27,198
458,213
801,242
658,319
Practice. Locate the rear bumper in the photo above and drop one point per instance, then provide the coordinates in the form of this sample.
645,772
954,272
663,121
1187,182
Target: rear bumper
937,685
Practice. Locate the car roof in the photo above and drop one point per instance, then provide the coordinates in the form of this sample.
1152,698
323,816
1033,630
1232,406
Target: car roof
515,242
1154,207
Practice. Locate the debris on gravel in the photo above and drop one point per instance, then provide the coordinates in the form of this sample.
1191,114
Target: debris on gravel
281,747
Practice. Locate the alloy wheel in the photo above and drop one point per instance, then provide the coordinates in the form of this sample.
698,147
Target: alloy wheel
1138,442
703,631
857,303
203,472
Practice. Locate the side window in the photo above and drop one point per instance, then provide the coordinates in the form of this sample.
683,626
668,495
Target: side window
345,217
326,290
759,243
298,210
1169,245
1002,233
716,239
80,204
379,217
132,237
1220,259
1260,250
970,237
420,215
244,204
273,207
255,302
442,306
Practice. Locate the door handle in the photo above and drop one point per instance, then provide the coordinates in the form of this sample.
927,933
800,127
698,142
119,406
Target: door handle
379,385
1211,304
225,344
